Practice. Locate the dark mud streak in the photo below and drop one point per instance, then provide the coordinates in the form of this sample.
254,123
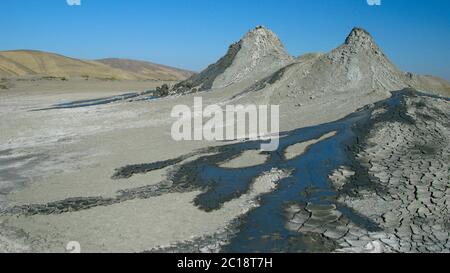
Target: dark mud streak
130,170
206,78
265,82
6,152
85,203
88,103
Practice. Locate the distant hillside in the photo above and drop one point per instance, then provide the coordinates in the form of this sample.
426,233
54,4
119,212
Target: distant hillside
147,69
23,63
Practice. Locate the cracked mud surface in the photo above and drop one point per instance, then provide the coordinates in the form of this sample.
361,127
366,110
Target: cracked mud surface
412,162
406,152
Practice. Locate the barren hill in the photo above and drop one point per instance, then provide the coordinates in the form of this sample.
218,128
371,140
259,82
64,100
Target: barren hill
148,69
23,63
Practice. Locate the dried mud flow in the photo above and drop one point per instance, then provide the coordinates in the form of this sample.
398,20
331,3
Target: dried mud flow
379,183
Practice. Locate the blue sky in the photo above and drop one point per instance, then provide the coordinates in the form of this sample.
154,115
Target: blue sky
191,34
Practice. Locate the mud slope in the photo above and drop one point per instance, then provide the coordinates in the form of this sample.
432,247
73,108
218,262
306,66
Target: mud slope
258,54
